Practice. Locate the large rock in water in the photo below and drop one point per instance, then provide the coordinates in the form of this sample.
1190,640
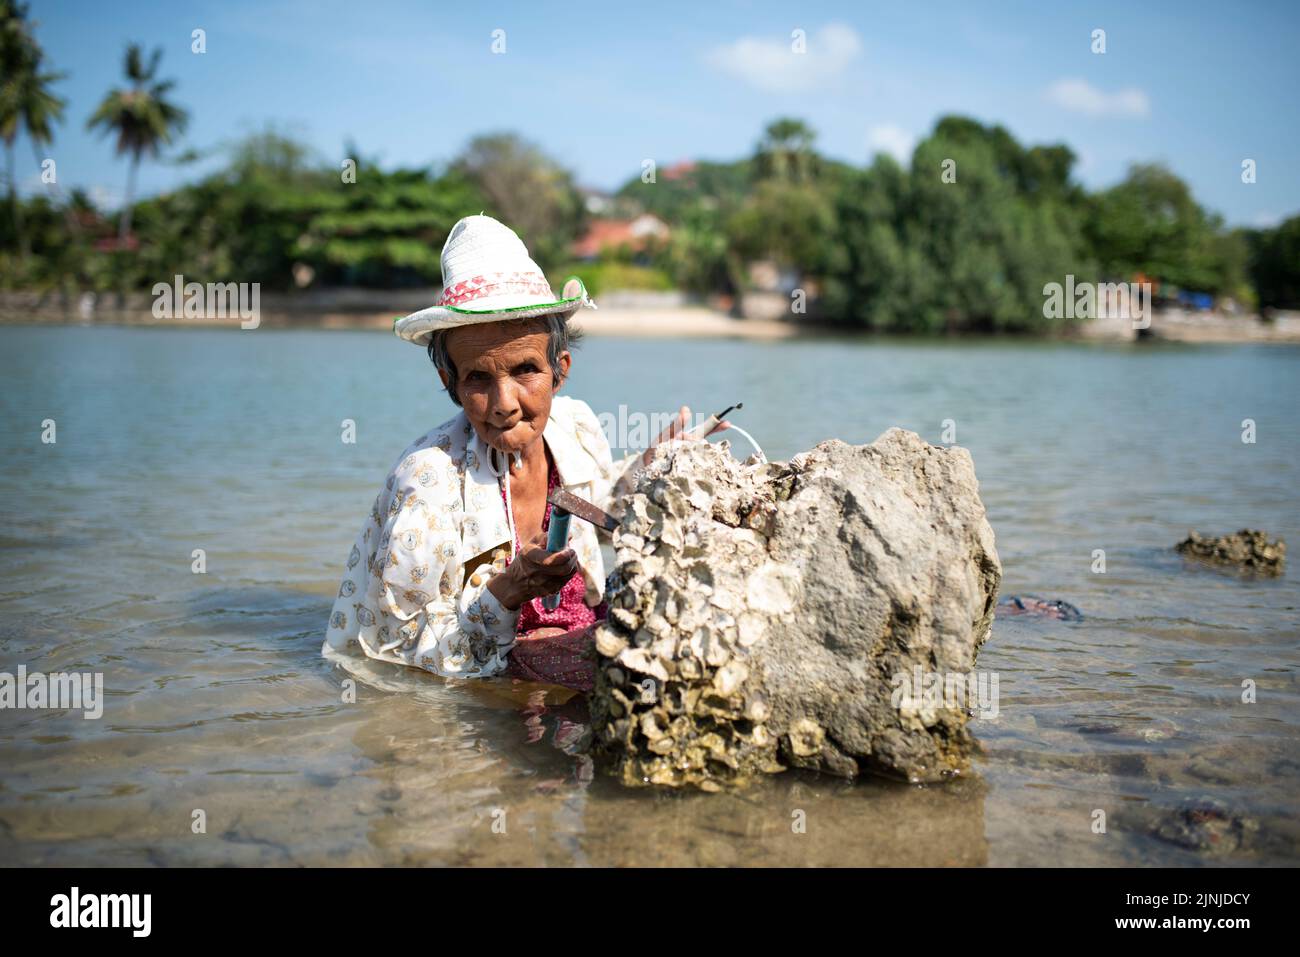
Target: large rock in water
762,613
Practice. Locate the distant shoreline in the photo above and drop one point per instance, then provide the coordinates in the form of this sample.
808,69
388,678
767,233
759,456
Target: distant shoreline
672,323
624,316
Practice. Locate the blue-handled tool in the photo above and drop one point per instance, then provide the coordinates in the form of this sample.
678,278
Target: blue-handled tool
556,538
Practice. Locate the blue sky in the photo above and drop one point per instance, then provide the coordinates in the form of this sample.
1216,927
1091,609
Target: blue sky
601,87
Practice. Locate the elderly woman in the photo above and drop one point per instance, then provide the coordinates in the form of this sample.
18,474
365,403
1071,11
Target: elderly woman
449,570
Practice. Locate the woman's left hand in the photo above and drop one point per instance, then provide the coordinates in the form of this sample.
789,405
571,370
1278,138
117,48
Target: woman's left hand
676,430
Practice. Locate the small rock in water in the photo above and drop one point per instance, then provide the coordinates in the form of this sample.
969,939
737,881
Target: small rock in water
823,613
1208,772
1038,608
1247,549
1207,825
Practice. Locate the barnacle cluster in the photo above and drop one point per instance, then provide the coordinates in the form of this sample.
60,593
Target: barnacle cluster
696,591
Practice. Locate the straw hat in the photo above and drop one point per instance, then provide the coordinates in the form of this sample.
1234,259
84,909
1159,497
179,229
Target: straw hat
487,275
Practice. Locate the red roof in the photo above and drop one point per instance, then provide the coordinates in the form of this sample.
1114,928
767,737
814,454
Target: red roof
679,170
604,233
111,244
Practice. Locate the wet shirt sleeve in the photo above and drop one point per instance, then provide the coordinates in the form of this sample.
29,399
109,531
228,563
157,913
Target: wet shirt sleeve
404,597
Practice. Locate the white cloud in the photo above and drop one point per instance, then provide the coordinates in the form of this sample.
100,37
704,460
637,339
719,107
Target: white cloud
891,139
772,65
1265,220
106,199
1079,96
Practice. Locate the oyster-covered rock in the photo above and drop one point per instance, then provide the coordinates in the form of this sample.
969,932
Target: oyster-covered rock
785,601
1207,825
1248,549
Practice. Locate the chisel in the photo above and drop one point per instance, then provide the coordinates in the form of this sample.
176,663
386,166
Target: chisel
706,428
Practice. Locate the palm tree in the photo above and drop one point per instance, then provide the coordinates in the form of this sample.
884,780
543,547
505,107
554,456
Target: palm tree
786,152
141,117
26,101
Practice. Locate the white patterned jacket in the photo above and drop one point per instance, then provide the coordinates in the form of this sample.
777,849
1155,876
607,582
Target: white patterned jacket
404,597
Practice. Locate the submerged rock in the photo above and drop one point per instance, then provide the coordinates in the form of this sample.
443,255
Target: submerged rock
1248,549
1207,825
1036,607
774,615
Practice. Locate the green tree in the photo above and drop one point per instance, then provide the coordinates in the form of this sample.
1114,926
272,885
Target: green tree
789,222
527,191
1230,252
698,255
788,215
1151,223
785,152
26,101
918,251
387,229
722,186
275,205
1275,265
141,117
877,276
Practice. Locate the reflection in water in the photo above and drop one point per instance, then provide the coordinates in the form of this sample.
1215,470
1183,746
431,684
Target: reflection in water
219,708
550,808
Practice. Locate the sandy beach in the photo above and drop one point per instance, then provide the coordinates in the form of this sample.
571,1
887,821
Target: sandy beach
360,309
628,316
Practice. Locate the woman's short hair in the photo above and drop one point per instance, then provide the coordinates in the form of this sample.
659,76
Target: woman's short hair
561,338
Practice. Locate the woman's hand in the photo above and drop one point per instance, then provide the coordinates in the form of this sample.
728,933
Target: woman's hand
533,573
676,430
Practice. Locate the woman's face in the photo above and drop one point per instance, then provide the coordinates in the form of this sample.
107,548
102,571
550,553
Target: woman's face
505,382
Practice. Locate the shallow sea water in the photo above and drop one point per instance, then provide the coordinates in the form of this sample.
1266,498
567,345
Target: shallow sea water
217,698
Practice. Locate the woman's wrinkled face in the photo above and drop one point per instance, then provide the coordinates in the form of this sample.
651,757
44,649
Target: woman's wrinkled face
505,383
